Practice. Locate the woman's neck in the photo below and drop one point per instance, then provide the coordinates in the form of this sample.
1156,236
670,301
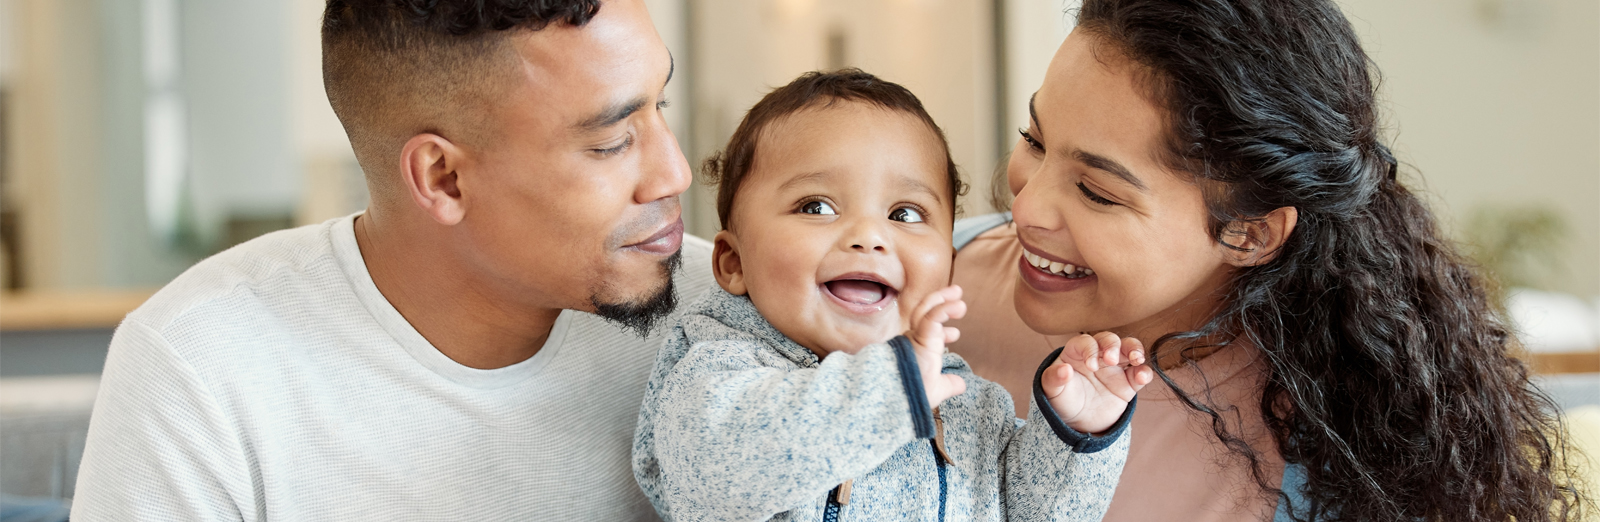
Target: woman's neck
1189,314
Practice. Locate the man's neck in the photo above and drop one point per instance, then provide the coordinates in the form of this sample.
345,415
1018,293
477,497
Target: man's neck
467,321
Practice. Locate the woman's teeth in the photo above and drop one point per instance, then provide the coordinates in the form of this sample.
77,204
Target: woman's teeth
1056,267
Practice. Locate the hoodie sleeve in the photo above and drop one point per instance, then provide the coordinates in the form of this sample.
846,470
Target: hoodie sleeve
1053,472
742,435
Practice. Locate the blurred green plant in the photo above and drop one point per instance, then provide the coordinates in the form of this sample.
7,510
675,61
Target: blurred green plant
1519,246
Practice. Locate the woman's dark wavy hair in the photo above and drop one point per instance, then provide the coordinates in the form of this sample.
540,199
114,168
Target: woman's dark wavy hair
1389,377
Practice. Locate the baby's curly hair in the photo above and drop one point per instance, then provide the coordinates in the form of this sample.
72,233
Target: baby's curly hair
727,169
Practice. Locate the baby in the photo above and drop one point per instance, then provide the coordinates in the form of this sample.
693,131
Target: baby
792,394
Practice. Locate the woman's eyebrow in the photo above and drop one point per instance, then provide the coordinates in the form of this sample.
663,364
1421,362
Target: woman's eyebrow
1034,115
1095,161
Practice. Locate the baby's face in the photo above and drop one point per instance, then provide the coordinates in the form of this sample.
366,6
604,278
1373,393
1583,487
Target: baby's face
841,226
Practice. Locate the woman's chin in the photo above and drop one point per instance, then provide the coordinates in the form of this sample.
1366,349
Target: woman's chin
1049,313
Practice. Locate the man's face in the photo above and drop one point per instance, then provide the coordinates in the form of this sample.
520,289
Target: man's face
577,203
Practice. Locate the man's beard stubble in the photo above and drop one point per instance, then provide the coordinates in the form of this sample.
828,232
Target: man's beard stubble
642,315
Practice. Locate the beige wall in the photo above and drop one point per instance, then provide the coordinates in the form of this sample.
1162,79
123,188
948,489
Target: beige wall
1497,102
54,131
940,49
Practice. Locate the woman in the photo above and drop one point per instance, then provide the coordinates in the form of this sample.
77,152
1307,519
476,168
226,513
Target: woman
1209,175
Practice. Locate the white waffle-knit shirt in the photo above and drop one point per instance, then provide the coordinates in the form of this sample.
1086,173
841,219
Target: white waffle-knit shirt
274,382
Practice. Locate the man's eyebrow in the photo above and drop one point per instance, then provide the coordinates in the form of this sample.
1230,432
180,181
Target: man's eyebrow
1095,161
672,67
621,111
611,115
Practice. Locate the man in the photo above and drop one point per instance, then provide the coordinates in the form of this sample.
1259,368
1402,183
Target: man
466,349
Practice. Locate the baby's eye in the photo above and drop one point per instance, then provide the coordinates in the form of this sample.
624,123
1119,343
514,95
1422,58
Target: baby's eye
907,215
817,207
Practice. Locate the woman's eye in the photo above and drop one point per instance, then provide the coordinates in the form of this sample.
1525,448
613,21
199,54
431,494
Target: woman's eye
905,215
817,207
1094,197
1032,143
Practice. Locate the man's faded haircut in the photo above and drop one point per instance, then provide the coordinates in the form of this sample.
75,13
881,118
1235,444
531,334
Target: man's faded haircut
397,68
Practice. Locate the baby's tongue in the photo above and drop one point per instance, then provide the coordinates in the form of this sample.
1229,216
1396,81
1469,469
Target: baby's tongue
862,292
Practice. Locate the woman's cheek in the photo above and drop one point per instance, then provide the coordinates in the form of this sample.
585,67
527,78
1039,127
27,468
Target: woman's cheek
1020,167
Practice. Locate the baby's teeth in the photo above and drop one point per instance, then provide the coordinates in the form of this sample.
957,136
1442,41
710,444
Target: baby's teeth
1056,267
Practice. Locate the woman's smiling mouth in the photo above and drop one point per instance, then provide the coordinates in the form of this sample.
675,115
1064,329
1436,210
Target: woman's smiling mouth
860,293
1067,270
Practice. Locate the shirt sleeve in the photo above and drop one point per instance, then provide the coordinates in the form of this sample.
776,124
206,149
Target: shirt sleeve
741,440
159,446
1053,472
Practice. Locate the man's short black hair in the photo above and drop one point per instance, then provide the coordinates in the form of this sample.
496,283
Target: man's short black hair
396,68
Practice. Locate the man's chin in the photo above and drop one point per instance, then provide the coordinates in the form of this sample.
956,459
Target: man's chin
641,312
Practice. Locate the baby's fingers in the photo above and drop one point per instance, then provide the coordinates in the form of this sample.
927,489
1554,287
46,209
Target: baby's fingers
1110,348
1133,351
943,386
1082,352
951,334
1055,379
946,294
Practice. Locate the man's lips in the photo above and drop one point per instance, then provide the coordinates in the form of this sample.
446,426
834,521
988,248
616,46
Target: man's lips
664,242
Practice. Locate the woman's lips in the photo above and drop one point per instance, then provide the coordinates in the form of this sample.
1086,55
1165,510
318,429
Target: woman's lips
1043,281
664,242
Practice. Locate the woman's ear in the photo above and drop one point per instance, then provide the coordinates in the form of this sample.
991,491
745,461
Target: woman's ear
1258,241
725,263
429,167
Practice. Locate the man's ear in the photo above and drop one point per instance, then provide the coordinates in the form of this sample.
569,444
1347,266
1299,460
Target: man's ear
1258,241
428,168
725,263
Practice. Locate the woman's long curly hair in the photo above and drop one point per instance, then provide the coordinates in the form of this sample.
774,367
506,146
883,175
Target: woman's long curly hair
1389,377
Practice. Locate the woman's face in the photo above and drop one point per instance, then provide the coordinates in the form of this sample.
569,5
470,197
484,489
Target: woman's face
1112,239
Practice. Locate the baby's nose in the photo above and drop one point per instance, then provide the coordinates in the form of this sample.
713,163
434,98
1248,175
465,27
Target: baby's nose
869,247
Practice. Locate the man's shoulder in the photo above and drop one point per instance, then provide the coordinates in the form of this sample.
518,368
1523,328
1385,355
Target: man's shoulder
274,266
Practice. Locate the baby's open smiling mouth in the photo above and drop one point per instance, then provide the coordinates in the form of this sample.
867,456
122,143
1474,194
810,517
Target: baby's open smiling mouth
860,293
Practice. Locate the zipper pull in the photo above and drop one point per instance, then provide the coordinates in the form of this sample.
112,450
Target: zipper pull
841,494
938,435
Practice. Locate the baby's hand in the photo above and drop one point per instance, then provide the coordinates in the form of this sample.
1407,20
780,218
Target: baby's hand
928,336
1087,385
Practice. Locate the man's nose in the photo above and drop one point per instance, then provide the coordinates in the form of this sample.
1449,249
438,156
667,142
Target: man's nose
665,172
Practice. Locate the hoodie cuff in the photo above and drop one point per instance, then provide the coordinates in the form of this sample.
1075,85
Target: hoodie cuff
1080,442
916,395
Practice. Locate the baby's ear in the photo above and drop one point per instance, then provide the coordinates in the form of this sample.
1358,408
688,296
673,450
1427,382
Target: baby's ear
725,263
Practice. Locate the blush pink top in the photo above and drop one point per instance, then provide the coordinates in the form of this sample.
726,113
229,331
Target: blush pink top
1177,469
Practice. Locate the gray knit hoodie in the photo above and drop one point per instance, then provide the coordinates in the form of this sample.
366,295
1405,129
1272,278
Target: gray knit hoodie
741,423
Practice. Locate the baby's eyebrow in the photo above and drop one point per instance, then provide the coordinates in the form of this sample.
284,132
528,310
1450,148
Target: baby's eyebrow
911,184
810,177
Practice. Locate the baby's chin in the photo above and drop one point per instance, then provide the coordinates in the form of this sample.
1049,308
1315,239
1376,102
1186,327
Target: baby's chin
853,340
